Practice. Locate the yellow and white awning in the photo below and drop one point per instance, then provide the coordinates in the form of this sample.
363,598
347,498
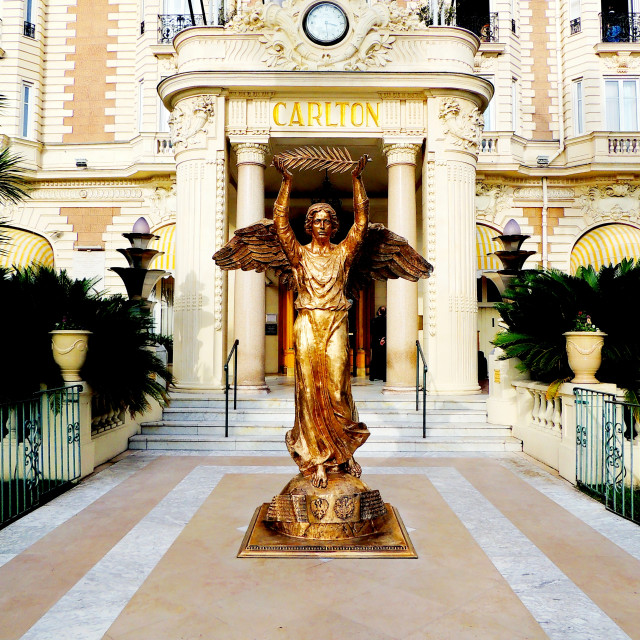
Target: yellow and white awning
25,249
486,245
164,243
605,245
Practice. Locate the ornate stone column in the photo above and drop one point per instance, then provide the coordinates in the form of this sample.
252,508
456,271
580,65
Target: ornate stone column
249,291
402,296
197,131
448,178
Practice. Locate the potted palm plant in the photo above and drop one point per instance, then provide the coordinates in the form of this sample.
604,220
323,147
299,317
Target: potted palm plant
584,349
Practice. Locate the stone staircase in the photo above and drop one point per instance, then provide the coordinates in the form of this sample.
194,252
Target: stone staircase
195,422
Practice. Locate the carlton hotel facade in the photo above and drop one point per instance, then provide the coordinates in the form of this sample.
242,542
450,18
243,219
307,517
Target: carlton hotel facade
122,109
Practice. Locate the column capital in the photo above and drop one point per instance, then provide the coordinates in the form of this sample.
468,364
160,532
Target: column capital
401,153
251,152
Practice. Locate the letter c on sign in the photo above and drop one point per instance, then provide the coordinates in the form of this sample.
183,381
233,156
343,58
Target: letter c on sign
276,113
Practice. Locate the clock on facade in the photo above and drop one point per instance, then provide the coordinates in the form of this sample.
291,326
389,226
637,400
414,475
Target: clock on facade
325,23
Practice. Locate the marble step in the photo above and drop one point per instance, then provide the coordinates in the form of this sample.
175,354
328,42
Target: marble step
459,429
278,417
276,443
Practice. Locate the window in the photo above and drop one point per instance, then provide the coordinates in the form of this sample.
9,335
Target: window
140,103
514,104
489,114
163,117
26,108
621,98
574,16
29,26
578,108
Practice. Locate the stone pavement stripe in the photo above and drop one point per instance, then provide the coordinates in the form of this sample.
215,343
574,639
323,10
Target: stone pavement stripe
38,577
88,609
557,604
576,548
622,532
37,524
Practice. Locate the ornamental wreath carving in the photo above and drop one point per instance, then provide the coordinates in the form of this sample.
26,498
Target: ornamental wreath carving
491,200
368,46
464,126
611,203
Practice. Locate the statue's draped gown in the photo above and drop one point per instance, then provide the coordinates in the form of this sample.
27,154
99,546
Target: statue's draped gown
326,429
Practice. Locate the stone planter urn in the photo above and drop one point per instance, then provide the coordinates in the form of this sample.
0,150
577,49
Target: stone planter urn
69,348
584,349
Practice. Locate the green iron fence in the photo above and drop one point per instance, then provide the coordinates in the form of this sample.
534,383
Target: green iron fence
606,437
39,449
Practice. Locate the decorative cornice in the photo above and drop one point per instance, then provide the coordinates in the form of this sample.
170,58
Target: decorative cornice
401,153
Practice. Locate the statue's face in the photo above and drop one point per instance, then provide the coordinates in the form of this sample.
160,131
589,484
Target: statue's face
322,226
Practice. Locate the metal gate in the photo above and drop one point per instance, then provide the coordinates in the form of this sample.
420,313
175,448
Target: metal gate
606,452
39,449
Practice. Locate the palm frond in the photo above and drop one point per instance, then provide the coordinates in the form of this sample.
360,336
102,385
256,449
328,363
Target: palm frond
12,178
332,159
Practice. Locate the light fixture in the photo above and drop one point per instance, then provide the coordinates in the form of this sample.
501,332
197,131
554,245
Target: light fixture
543,161
81,163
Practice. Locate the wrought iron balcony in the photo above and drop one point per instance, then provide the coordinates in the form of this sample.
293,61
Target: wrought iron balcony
575,26
484,26
171,24
29,29
620,27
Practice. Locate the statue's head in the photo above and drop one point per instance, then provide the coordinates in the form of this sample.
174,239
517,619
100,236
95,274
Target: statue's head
321,210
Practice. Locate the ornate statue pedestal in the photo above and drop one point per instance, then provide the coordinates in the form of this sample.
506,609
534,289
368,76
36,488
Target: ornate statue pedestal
345,520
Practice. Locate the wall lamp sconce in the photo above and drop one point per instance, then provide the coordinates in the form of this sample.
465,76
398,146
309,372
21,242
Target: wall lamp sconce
81,163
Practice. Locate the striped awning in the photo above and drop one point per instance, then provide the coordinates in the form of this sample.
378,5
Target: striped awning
606,245
164,243
24,249
485,245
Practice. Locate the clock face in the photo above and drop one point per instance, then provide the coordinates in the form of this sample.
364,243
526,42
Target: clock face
325,23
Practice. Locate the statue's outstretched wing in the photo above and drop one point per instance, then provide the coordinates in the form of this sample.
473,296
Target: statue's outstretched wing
256,248
385,255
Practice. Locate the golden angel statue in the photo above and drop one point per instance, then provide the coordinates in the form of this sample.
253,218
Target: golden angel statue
326,432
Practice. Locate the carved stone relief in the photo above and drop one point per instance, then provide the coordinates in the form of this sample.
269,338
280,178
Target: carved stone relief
612,203
492,200
535,193
191,120
463,125
621,62
367,46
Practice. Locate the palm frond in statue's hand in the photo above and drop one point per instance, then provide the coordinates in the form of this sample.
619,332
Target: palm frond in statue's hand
330,159
256,248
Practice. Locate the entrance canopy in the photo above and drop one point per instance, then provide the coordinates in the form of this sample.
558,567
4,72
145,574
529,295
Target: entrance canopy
25,249
608,244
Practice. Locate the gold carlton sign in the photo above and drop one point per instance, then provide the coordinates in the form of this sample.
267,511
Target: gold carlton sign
324,114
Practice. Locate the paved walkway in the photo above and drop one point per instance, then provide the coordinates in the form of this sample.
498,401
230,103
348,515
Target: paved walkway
145,549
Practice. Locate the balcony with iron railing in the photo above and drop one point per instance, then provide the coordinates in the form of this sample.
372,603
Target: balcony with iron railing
620,27
169,25
484,26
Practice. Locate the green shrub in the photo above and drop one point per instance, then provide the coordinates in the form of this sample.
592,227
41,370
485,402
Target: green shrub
120,368
540,306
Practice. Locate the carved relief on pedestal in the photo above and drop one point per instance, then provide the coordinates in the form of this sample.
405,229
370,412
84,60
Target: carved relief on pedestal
161,202
491,201
463,125
612,203
191,120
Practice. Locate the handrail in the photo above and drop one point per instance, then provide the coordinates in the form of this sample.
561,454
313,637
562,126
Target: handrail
420,356
227,386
